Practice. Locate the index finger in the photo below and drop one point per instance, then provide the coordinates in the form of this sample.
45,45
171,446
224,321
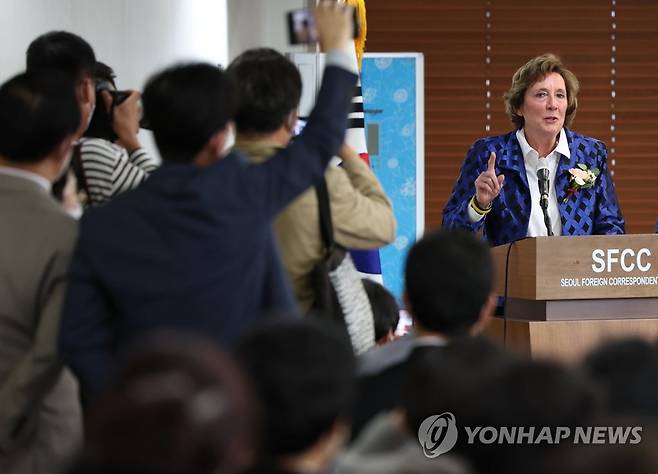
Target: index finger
491,165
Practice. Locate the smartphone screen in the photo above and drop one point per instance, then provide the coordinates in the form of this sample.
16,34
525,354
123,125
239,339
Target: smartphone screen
302,29
299,126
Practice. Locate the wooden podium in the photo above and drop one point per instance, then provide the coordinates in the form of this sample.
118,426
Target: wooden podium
566,295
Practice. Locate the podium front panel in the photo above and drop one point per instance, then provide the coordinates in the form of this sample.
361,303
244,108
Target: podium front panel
587,267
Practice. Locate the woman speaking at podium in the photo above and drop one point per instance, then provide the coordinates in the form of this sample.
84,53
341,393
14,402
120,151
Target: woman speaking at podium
542,178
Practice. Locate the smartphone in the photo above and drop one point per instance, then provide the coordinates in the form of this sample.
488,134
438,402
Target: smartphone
302,29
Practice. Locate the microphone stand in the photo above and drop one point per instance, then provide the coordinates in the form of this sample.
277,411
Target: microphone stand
544,184
543,202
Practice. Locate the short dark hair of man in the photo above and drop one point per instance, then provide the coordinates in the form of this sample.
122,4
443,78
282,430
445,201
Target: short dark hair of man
448,278
627,371
304,374
37,112
443,378
607,458
186,105
178,405
540,394
269,87
483,386
385,309
62,51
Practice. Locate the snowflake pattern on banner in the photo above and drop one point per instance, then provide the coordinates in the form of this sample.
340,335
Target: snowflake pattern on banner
389,86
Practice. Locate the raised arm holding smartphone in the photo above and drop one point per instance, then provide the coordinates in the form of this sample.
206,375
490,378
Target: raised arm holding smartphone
194,247
302,28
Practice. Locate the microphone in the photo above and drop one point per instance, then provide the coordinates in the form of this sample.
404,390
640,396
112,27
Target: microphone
544,183
544,189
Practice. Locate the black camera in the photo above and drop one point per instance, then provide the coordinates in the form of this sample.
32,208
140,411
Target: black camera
118,97
101,123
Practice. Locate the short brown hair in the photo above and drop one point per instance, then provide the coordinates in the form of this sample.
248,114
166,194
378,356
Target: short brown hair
531,72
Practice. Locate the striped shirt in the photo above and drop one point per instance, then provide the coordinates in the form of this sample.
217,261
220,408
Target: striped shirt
110,170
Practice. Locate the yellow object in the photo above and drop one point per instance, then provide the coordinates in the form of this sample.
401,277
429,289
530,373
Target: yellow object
476,207
360,42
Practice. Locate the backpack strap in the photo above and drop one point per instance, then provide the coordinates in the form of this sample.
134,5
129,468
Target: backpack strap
324,211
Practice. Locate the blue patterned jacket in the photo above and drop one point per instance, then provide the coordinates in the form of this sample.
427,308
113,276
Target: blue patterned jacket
589,211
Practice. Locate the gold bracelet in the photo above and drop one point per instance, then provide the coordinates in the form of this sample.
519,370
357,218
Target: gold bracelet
476,207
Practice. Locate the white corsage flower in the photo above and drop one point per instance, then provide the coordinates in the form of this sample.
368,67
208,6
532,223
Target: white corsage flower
582,177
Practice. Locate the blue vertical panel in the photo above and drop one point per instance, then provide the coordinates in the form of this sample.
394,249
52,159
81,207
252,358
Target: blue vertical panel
389,96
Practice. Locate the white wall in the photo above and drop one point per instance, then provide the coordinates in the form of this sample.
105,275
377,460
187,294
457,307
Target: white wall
134,37
137,37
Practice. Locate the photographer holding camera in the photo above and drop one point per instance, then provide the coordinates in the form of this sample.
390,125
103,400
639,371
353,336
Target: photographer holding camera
109,158
103,168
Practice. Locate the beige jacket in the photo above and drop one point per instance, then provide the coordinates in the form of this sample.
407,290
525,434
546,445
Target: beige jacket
40,416
362,217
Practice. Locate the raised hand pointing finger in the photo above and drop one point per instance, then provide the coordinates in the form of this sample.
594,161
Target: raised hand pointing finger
487,184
